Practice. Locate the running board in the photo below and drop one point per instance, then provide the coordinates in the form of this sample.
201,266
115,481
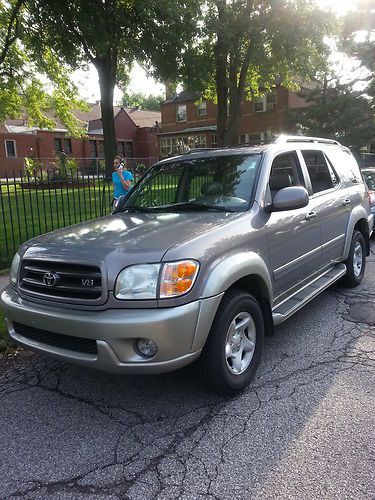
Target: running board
294,303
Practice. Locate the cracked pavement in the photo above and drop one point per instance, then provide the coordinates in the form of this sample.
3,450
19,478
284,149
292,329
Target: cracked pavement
304,429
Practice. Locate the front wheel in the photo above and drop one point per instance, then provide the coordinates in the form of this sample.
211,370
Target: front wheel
356,261
234,346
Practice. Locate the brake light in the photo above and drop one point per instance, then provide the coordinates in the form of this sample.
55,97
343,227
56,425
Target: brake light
371,197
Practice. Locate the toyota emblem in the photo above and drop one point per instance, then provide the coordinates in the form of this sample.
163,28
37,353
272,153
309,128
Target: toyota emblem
49,279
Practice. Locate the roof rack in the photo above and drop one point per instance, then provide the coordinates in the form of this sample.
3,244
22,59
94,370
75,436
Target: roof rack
301,138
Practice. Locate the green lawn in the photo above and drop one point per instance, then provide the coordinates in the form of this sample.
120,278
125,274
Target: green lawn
3,336
25,213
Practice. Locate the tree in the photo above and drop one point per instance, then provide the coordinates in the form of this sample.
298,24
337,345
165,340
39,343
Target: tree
246,46
111,34
334,110
141,101
30,83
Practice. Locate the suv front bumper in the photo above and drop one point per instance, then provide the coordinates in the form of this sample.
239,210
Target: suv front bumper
179,332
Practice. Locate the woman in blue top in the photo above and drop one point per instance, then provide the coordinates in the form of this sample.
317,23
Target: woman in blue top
122,179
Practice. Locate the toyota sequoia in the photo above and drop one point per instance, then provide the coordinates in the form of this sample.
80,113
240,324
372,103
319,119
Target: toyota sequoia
207,253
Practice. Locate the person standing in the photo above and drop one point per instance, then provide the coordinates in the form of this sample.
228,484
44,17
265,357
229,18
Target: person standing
122,179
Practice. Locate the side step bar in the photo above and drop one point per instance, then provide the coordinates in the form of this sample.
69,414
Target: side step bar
295,302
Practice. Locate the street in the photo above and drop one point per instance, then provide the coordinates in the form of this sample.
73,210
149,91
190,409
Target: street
304,429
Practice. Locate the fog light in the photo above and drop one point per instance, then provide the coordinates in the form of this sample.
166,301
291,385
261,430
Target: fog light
147,347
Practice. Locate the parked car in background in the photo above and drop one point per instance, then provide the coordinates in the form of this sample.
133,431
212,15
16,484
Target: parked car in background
206,254
369,176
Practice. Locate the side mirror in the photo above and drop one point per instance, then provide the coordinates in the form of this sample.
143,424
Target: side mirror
289,198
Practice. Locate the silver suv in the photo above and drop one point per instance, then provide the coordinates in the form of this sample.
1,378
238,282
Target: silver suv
205,255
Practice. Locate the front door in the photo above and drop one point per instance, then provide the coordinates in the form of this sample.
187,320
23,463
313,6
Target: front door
293,236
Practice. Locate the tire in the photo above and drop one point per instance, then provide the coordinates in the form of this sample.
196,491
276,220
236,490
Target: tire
234,345
356,261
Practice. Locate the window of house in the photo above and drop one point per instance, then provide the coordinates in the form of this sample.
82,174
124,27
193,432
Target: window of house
93,149
165,146
214,141
251,138
200,141
121,148
101,149
68,146
129,149
57,145
202,108
265,103
321,174
181,113
10,149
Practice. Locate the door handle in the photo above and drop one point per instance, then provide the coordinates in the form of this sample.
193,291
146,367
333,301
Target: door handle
346,201
310,215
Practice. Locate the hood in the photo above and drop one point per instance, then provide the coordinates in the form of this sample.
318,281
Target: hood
123,239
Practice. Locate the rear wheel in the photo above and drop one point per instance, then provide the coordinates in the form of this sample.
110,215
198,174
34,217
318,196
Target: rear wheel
233,349
356,261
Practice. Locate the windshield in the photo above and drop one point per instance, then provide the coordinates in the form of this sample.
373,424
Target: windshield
213,183
369,176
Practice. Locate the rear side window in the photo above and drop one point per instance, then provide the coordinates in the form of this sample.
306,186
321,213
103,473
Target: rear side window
345,165
321,173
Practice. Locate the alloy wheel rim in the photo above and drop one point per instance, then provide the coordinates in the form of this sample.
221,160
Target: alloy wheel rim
240,343
357,259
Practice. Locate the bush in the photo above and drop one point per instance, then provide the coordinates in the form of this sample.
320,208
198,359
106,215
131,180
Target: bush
34,170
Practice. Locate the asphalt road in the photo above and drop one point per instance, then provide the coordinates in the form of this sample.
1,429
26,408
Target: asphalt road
305,429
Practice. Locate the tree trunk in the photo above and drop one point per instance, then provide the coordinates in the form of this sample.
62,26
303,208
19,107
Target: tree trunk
221,61
106,67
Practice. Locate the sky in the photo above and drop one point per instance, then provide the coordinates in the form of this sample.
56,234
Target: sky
88,85
87,81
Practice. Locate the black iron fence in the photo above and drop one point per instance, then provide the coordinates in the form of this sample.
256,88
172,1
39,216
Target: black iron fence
34,201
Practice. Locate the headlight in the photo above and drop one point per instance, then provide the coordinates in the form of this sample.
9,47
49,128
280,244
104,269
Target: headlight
14,269
177,278
140,282
137,282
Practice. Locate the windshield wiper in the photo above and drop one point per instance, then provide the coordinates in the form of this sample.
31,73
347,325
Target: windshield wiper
133,208
199,206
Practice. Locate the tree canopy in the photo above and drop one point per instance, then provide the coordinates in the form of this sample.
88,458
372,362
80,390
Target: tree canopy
244,47
141,101
111,34
336,111
33,82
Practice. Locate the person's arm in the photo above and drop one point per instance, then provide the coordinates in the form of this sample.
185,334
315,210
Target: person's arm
126,183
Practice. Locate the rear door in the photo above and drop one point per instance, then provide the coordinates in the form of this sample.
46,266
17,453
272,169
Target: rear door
335,204
294,235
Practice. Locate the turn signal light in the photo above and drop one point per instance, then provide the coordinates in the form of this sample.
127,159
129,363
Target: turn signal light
178,278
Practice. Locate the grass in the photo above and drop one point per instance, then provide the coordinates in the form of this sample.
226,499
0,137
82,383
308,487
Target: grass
4,340
26,212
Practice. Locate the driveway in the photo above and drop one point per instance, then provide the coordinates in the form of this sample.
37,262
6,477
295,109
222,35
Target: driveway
305,428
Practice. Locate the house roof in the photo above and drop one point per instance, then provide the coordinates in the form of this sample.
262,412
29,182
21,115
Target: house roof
141,118
185,95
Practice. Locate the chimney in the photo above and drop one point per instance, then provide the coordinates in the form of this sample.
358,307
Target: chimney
170,90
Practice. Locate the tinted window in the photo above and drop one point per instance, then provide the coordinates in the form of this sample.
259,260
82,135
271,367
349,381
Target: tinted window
321,174
369,176
285,172
345,165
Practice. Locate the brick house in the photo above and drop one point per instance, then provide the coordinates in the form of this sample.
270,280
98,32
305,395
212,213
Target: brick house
190,124
135,131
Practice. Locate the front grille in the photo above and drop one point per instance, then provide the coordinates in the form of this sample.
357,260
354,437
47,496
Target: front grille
76,344
55,279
